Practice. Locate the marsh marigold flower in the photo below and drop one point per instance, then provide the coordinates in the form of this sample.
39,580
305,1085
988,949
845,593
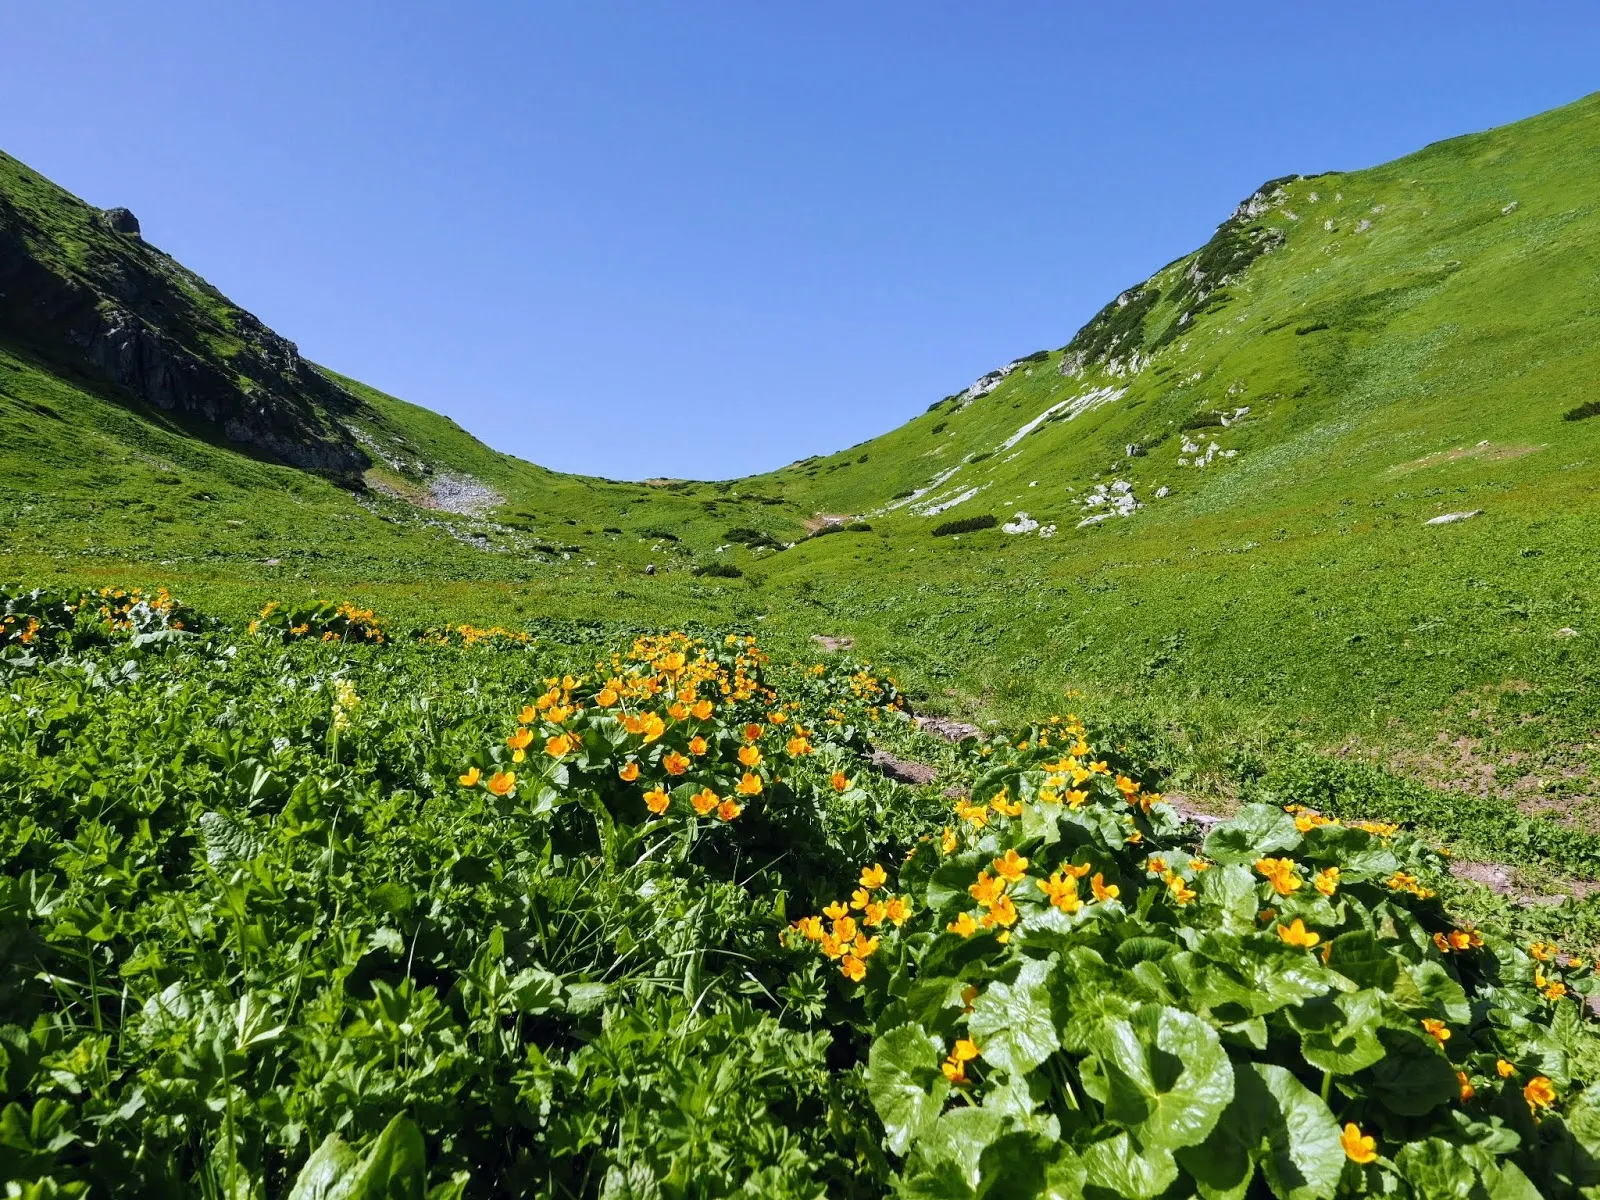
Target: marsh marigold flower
1504,1069
1011,866
501,782
470,779
1540,1093
1103,891
873,877
749,785
1358,1147
728,809
559,745
963,924
698,745
840,781
750,756
656,800
798,746
1467,1090
897,909
704,801
1280,872
674,763
1296,934
1437,1028
1326,881
629,771
1062,892
948,842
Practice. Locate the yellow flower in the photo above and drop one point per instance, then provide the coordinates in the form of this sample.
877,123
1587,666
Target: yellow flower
728,809
606,697
1102,890
987,890
1076,798
864,947
704,801
674,763
964,1051
1554,990
873,913
1012,866
777,718
1156,865
1181,892
749,785
1326,881
897,909
501,782
844,928
701,710
678,711
520,739
1543,951
840,781
629,771
750,756
1002,913
656,800
1442,942
1540,1093
1358,1147
470,779
873,877
948,843
697,745
860,898
1004,805
1296,934
964,925
1199,864
1504,1069
852,968
797,746
976,813
559,745
1436,1027
835,910
809,928
1467,1090
1127,787
1062,891
1280,872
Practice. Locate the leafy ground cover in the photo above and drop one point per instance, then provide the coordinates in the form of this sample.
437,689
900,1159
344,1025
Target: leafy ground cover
579,910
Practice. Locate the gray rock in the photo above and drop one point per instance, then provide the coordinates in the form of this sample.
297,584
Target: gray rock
120,220
1452,518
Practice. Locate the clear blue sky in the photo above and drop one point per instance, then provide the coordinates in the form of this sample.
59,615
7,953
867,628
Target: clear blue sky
708,239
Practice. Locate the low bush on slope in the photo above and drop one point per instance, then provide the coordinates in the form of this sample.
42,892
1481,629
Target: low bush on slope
482,914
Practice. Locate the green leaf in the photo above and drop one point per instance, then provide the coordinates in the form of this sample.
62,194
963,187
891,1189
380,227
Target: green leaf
1276,1122
1339,1033
1440,989
329,1166
1012,1023
960,1136
905,1084
1436,1169
1167,1076
1362,959
1119,1168
396,1168
1257,831
1412,1077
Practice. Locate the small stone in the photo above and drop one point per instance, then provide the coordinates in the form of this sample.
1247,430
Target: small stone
1452,518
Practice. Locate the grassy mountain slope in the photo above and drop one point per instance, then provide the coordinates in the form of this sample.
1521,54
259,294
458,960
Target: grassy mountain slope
1350,357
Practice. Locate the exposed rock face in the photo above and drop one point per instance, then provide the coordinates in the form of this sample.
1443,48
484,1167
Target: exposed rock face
121,313
120,220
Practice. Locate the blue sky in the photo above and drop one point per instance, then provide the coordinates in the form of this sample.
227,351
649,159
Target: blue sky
707,239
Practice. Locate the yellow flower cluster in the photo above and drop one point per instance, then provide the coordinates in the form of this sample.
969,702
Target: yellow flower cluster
842,938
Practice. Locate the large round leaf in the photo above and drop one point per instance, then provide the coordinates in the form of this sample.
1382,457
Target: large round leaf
1167,1077
1012,1023
905,1084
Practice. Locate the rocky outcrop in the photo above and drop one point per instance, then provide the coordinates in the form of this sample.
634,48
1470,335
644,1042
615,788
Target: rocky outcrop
119,312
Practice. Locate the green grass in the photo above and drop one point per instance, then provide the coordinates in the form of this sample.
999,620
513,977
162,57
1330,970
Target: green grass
1289,597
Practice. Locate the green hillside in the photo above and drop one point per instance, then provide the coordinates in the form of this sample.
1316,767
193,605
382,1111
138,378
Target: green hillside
1278,414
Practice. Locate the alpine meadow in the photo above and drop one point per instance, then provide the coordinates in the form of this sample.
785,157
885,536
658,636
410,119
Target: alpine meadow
1169,766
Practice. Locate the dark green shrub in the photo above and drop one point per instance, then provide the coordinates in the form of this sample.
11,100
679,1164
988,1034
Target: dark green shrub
720,571
966,525
1591,409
